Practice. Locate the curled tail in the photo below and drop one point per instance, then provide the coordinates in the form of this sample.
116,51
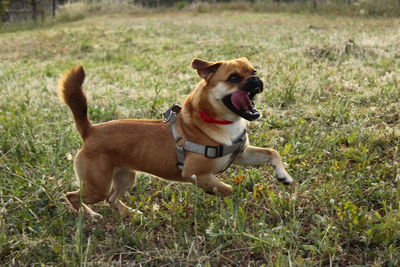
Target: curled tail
70,92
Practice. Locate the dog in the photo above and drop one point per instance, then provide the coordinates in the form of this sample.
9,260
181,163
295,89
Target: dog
192,145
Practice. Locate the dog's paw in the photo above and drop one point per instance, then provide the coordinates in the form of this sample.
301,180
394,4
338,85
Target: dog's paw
285,178
94,216
129,211
223,191
68,205
227,191
282,175
125,210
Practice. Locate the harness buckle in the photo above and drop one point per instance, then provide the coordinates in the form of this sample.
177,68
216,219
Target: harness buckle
180,149
175,108
170,114
214,151
180,157
179,166
167,115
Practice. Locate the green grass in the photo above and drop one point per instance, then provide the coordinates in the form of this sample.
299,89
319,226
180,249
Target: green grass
331,107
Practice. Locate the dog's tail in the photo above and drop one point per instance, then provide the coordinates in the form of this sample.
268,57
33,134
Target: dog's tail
70,92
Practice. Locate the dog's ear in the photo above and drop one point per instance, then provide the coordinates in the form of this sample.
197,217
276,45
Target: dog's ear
204,68
244,59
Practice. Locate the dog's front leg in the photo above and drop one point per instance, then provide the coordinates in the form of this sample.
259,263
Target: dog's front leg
258,156
211,185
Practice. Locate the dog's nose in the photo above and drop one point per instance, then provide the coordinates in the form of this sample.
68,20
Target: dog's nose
253,79
255,83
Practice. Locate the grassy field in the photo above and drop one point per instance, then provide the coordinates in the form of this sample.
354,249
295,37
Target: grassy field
331,108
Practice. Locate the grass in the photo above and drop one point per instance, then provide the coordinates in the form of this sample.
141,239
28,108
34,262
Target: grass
331,107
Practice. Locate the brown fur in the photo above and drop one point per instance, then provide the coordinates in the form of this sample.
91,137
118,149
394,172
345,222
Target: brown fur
113,151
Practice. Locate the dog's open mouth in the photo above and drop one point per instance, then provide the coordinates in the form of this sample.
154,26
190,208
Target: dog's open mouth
241,103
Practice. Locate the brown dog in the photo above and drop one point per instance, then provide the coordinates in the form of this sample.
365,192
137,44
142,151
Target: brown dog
113,151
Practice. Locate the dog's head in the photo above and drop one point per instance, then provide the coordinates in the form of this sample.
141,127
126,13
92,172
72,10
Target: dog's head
230,84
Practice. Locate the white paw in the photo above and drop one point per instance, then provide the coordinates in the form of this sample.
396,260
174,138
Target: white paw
134,211
284,177
95,216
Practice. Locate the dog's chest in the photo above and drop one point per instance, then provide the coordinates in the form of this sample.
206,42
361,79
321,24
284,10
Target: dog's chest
229,132
222,163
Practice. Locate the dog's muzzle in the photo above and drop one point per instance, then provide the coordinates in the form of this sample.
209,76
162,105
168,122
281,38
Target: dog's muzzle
253,85
241,101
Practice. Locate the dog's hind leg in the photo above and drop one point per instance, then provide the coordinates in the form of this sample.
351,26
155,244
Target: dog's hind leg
257,156
123,180
95,175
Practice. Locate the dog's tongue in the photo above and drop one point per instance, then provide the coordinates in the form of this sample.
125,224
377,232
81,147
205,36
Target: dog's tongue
240,100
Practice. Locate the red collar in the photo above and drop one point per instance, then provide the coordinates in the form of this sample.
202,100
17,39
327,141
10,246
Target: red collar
207,118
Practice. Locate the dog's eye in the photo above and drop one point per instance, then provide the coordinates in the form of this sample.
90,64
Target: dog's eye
255,72
234,78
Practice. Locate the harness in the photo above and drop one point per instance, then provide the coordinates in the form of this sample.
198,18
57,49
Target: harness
207,151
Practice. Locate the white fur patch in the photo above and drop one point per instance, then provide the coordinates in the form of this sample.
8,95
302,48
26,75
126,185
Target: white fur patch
228,132
234,130
221,90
